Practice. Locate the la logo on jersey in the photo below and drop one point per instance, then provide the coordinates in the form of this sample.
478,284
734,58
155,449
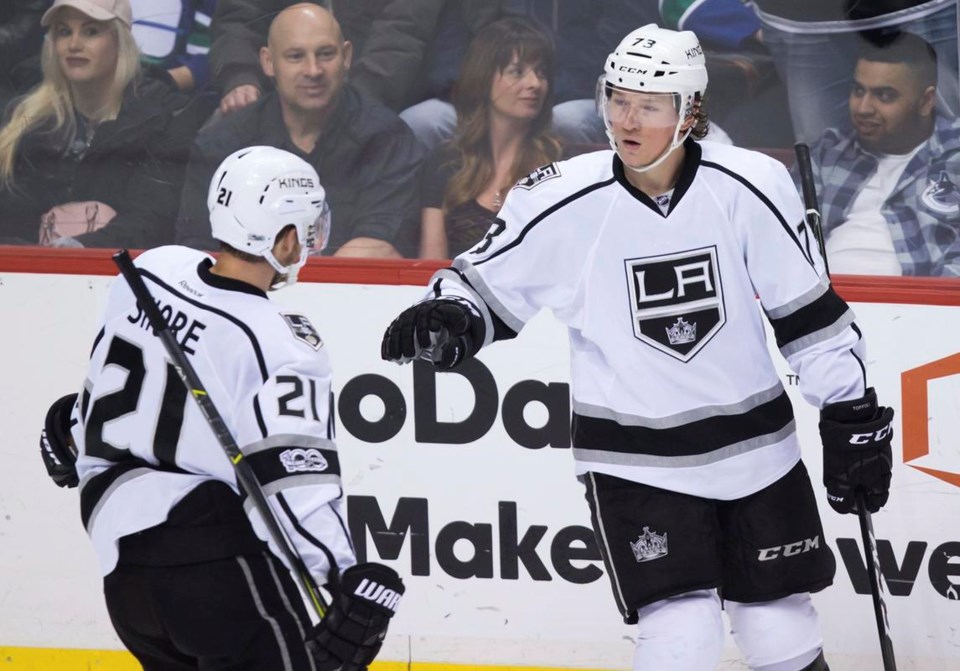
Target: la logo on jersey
303,330
676,300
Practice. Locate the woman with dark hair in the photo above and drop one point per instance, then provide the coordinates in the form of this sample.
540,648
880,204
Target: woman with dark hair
94,155
503,100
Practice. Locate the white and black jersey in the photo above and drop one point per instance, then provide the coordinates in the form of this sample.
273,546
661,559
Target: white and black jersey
144,445
671,379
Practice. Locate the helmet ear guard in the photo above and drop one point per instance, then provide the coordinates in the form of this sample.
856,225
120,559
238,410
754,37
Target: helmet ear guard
256,193
655,60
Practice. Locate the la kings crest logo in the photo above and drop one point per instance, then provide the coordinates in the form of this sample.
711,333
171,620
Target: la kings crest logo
541,174
676,301
303,330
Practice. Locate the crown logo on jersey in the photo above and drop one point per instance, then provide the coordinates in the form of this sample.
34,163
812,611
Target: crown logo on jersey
682,332
649,546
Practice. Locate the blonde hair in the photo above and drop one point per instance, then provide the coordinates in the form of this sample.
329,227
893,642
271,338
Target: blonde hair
52,99
490,52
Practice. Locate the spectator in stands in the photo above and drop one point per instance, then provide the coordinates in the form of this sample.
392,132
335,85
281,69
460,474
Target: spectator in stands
365,155
21,38
502,99
94,155
584,32
175,37
814,44
889,188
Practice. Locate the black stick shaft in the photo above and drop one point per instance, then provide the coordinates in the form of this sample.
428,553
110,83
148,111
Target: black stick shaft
876,584
245,475
812,206
810,201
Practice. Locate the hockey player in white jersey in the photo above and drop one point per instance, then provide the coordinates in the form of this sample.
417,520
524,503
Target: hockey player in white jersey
652,255
190,578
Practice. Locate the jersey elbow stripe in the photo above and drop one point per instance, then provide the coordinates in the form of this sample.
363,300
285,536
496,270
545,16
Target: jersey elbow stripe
823,318
474,281
700,441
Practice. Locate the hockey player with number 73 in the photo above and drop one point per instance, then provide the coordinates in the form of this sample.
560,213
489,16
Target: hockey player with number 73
652,255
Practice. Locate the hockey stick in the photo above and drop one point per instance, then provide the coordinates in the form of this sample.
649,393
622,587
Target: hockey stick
245,475
812,206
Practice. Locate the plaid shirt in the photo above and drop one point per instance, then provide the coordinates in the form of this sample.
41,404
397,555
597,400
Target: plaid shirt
923,210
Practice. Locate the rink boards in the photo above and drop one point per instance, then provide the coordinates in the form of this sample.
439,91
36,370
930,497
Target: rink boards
464,484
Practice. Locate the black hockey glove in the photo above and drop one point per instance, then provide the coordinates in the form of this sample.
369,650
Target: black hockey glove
444,331
56,445
349,636
856,439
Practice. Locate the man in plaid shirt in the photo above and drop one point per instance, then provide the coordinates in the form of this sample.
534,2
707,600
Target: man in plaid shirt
890,188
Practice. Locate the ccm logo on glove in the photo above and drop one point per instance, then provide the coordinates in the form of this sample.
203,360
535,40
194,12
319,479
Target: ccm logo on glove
872,437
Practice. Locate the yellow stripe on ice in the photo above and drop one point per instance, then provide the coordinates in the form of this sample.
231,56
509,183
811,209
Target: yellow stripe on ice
49,659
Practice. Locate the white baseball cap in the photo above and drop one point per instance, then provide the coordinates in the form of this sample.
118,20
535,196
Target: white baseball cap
101,10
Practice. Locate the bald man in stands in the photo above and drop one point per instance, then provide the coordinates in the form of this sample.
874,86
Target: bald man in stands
367,158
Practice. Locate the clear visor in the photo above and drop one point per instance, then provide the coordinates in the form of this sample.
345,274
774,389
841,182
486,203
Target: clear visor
633,109
314,238
318,233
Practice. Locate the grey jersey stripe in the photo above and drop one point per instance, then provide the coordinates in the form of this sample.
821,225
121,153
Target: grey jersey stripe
801,301
685,461
114,486
298,480
686,417
289,440
487,296
826,333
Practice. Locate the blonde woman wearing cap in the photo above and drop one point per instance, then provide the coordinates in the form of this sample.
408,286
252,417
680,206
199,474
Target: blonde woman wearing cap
93,156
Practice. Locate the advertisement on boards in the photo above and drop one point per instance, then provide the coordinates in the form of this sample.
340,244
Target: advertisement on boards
464,483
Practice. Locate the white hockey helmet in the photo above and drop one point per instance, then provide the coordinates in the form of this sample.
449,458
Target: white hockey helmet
258,191
652,59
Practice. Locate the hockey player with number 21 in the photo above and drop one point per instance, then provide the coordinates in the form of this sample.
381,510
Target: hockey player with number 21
652,255
189,577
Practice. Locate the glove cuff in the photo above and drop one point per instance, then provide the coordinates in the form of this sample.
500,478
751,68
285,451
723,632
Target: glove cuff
862,409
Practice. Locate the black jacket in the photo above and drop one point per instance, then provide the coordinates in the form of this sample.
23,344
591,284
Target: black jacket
21,38
134,164
367,160
390,41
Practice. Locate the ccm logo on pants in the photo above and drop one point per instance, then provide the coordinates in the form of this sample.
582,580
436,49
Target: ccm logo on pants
790,549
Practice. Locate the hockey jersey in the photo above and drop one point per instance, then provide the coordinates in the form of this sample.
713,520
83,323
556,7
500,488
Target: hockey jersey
671,379
144,444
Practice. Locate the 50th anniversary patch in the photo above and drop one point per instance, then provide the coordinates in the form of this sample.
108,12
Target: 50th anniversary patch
676,300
